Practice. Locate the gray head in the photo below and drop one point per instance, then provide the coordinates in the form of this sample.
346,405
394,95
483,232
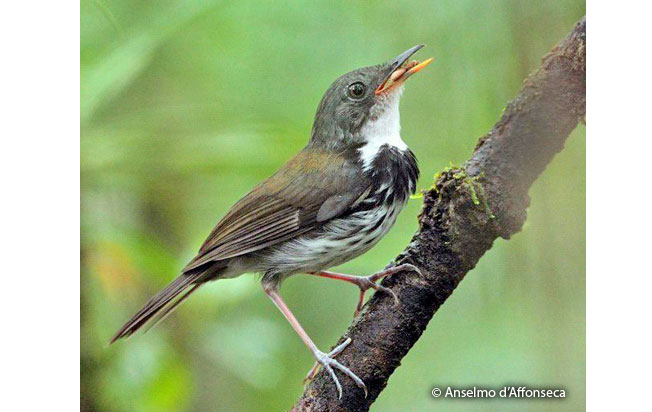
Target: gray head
363,103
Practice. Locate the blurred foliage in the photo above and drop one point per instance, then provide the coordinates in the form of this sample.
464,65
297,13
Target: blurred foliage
186,105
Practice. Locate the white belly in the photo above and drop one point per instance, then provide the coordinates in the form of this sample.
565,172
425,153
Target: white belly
341,240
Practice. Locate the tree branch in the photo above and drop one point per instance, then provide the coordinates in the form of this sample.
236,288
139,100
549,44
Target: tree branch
463,213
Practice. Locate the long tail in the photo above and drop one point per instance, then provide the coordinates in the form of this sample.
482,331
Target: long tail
166,300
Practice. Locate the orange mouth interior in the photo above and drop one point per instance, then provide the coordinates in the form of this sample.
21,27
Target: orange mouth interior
401,74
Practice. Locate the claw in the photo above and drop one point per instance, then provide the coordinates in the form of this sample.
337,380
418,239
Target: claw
351,375
311,374
327,360
334,377
391,292
369,282
411,267
336,351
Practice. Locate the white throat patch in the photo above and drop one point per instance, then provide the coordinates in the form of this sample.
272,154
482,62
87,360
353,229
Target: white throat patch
385,130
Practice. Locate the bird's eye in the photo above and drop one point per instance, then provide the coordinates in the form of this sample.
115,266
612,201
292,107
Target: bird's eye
356,90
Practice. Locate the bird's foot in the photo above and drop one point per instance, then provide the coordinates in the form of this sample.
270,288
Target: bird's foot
315,368
369,282
327,360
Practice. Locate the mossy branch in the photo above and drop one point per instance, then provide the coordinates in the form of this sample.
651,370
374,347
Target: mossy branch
464,212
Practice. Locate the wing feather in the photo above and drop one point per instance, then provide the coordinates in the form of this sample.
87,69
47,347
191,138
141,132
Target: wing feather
285,206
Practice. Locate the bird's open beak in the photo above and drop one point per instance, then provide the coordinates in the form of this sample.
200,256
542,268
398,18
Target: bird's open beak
401,69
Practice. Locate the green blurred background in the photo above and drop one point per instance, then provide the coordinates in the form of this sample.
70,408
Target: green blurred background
186,105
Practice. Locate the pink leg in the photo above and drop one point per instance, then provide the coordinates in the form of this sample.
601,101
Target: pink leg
325,359
369,282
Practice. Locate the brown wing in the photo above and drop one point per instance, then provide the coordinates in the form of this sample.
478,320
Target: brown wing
309,190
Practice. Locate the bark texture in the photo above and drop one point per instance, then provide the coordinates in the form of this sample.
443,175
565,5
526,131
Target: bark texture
463,213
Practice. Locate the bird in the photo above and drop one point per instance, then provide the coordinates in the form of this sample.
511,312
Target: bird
330,203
